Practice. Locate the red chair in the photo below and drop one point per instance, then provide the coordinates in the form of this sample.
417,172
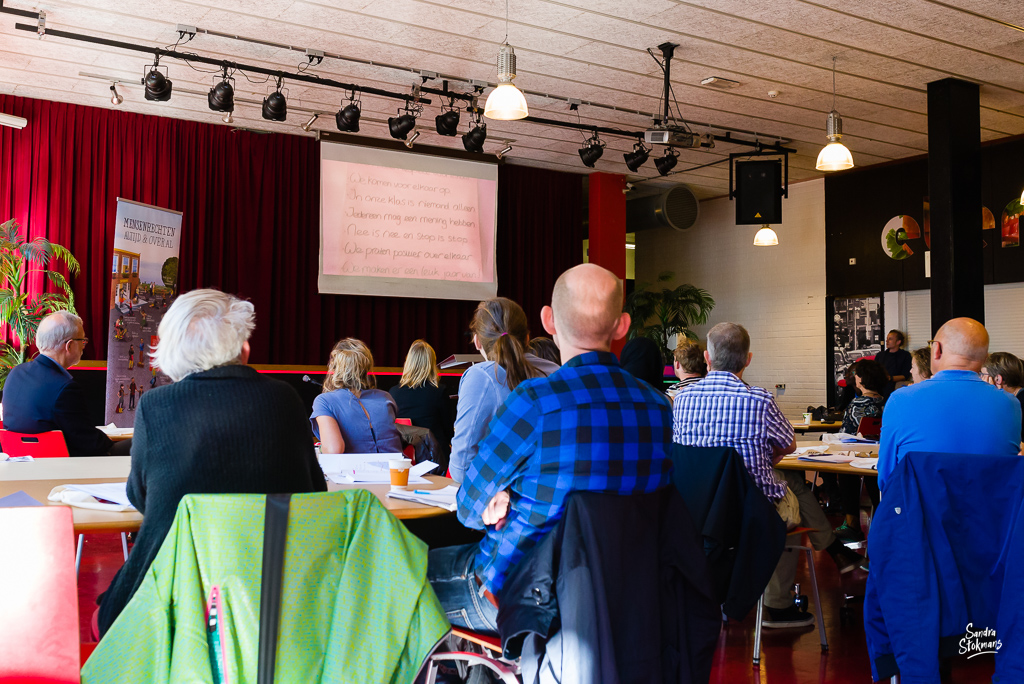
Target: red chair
39,603
870,427
409,451
43,445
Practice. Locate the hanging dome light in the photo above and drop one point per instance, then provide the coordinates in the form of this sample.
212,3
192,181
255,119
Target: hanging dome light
766,237
506,102
835,156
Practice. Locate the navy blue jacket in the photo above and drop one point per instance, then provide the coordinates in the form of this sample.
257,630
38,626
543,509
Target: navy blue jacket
942,543
40,396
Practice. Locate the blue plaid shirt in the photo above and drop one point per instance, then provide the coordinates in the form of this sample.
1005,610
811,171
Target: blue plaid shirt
722,410
589,426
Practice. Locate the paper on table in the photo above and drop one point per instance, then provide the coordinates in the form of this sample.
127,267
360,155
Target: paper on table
88,496
442,498
865,463
368,474
15,459
112,430
828,458
18,499
335,463
820,449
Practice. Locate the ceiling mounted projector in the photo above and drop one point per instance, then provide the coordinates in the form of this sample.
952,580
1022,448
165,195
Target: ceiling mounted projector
674,137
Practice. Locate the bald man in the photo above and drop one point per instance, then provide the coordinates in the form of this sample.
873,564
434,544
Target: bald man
955,411
41,395
589,426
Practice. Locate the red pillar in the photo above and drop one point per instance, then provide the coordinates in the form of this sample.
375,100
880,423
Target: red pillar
608,226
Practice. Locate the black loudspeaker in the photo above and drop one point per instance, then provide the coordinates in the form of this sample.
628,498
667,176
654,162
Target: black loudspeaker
758,192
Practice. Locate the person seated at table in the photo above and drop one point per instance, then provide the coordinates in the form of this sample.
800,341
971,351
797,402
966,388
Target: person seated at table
351,416
921,364
40,395
1005,371
870,378
420,397
500,333
219,428
722,410
545,348
955,411
689,366
620,434
641,358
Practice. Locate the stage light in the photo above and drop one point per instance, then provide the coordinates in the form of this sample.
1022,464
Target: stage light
227,118
412,139
158,86
502,152
275,106
309,124
668,162
447,123
637,158
347,119
473,141
401,126
115,97
592,151
221,97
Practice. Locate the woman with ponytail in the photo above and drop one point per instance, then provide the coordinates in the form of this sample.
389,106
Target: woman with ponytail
501,334
350,416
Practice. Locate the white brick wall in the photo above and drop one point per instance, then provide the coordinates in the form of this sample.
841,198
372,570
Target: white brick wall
776,293
1004,317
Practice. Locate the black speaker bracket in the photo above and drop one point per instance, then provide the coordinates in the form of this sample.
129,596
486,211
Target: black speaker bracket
761,153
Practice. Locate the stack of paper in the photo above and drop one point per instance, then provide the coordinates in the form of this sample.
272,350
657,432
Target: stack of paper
369,468
865,463
442,498
806,451
110,496
111,430
827,458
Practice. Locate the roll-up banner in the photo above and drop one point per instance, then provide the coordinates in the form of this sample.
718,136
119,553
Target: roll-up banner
143,283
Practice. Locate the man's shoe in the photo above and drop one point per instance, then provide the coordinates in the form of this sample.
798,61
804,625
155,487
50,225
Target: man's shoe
848,561
787,618
849,534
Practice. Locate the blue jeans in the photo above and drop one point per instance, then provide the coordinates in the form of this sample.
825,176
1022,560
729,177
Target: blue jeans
451,573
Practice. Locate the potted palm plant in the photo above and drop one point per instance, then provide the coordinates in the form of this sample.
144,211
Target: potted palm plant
658,314
21,310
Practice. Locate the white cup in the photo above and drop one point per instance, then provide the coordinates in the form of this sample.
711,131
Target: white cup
807,419
399,473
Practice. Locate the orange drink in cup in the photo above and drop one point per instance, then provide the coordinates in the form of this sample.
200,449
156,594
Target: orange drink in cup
399,473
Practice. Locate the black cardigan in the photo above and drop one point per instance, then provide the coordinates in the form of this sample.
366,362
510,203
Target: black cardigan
225,430
428,407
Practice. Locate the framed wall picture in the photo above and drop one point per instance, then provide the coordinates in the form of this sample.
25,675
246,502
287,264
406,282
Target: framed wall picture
854,325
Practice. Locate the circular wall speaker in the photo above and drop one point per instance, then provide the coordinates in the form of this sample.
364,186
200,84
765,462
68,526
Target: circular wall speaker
676,208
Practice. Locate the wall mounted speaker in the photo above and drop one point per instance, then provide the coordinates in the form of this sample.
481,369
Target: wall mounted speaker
758,192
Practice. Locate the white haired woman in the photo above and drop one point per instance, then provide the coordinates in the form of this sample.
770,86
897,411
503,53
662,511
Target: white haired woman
220,428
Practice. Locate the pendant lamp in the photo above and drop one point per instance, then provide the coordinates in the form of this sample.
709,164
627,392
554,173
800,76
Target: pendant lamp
834,156
766,237
506,102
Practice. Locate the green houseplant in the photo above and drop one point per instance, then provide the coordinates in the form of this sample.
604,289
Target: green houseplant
21,310
658,314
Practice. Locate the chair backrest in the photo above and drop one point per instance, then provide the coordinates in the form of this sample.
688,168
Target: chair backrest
42,445
870,427
39,600
403,421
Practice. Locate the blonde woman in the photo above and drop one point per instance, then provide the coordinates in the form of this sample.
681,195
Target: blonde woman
420,396
350,416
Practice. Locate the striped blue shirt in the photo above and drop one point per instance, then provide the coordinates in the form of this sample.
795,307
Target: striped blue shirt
589,426
722,410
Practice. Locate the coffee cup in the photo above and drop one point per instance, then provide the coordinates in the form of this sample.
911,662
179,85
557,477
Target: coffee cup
807,419
399,468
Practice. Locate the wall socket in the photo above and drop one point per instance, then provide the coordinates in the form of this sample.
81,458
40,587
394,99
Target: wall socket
781,387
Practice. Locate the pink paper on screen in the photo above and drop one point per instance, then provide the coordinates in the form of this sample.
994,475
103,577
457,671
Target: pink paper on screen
399,223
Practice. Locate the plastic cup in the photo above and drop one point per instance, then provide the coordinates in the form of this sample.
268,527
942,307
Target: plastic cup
807,419
399,473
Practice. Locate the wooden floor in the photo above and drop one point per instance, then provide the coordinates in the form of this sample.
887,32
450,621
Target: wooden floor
788,655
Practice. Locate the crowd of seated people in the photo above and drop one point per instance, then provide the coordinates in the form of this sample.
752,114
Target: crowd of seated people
222,427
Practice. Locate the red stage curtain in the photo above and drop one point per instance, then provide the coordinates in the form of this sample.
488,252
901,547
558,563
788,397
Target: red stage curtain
251,225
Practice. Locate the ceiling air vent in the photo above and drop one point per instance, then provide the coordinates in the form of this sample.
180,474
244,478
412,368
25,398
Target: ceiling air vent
719,82
676,208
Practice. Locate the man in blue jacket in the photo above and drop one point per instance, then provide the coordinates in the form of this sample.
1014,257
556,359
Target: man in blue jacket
41,395
953,412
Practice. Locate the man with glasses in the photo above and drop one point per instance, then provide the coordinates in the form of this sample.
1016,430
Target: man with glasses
955,411
41,395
